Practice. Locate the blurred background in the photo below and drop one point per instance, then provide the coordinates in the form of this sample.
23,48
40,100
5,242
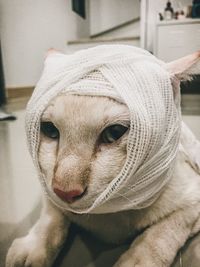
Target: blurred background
168,29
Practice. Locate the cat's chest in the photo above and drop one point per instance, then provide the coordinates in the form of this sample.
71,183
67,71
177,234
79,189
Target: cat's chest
112,228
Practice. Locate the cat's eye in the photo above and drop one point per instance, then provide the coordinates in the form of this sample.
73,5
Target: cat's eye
49,129
112,133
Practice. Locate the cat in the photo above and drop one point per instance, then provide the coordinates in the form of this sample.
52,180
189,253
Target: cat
82,148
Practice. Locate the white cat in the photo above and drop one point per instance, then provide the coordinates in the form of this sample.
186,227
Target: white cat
82,148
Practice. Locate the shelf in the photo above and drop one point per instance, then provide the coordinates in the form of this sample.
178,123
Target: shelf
177,22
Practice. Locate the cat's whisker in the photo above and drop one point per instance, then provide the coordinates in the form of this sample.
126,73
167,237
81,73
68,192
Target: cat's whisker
121,195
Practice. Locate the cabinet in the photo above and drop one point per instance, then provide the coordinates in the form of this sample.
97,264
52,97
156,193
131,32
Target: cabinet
175,39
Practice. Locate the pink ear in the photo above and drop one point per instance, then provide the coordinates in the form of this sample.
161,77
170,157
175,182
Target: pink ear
185,67
52,51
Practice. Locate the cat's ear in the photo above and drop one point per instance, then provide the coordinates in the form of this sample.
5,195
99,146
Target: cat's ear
52,51
184,68
52,61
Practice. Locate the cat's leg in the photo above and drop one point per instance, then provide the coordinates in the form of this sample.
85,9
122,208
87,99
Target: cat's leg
42,244
159,244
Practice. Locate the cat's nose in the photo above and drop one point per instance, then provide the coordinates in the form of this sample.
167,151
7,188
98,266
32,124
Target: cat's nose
69,196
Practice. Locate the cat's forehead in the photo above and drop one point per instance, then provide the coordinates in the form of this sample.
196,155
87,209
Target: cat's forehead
82,109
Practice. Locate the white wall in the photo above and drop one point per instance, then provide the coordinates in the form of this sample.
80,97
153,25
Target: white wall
28,28
149,16
105,14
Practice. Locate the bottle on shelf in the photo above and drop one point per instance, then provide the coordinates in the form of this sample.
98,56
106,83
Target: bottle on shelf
168,12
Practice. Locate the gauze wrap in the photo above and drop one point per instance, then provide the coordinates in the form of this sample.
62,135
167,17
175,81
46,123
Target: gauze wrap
132,76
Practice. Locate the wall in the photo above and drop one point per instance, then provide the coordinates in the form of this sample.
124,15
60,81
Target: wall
28,28
149,16
131,30
106,14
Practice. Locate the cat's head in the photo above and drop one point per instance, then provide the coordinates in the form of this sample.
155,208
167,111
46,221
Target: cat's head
83,141
82,146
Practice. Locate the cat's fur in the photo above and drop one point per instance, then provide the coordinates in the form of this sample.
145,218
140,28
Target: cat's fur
78,160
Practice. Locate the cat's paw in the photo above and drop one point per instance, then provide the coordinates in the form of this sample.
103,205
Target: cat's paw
27,252
132,258
131,262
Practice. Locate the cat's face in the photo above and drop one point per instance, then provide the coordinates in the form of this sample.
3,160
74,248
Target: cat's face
83,146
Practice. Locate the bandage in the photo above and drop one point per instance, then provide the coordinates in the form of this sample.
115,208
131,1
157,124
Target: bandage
136,78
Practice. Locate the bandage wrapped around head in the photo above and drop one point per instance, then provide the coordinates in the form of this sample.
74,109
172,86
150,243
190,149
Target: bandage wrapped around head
132,76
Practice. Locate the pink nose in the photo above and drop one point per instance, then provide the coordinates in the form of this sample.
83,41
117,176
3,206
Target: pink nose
69,196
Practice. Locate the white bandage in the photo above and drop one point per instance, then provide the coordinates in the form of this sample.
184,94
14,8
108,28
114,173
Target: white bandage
132,76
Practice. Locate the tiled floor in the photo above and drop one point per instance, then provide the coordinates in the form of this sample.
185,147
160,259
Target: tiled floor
20,201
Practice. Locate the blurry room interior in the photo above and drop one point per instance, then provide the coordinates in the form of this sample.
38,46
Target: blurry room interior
27,30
